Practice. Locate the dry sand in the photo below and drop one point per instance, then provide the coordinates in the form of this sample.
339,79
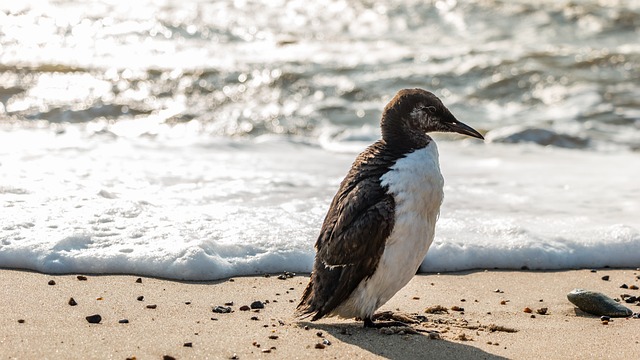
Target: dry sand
37,322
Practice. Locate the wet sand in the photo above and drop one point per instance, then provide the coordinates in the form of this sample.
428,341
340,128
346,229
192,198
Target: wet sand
36,320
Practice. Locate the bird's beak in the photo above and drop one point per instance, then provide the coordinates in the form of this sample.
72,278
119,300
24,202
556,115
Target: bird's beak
464,129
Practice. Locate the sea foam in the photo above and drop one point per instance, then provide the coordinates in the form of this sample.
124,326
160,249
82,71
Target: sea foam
211,208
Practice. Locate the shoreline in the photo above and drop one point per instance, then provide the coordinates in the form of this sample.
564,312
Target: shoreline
38,321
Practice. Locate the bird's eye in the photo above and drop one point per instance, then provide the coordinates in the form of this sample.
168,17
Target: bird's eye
430,109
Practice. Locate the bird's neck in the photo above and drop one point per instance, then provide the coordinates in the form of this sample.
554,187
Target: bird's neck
398,132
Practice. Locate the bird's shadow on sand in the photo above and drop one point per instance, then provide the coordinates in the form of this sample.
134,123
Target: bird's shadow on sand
416,346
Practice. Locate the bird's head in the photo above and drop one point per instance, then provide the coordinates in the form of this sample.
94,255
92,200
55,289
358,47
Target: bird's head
420,111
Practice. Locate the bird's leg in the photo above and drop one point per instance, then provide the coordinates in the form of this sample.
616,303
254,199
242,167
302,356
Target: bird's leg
368,323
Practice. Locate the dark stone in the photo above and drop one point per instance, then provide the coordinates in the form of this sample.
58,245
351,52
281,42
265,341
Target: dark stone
81,278
72,302
188,344
624,286
245,308
152,306
140,298
546,137
123,321
94,319
51,282
596,303
605,278
605,318
168,357
257,305
221,309
139,280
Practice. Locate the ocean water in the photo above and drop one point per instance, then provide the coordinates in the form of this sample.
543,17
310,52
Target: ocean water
205,139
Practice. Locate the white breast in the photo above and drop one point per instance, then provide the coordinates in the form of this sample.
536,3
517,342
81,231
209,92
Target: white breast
416,184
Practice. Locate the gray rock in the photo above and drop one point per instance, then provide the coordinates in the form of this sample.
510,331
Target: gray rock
597,303
520,134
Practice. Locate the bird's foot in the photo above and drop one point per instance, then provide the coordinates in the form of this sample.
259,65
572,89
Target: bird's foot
399,316
368,323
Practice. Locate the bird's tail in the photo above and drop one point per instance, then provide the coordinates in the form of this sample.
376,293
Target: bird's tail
305,308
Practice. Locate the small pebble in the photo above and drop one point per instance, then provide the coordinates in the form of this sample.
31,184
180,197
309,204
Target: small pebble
187,344
187,302
605,318
416,298
605,278
257,305
139,280
320,346
503,302
234,357
457,308
20,321
51,282
306,327
319,334
594,270
542,311
94,319
498,291
624,286
72,302
633,287
123,321
140,298
533,316
266,350
168,357
326,342
230,303
273,337
152,306
245,308
100,298
221,310
636,315
81,278
255,318
528,310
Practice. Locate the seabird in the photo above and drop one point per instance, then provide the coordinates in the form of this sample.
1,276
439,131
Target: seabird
382,220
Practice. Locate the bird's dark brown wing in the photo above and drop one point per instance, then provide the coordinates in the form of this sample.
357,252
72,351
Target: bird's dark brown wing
353,234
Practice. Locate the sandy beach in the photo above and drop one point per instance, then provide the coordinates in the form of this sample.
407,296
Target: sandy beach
173,319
